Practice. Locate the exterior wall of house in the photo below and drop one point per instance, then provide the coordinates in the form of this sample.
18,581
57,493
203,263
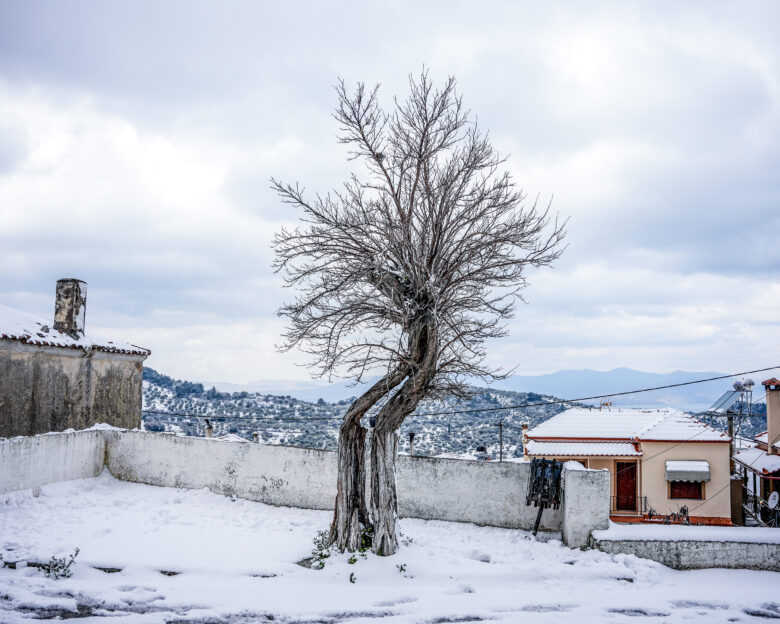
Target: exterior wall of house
773,419
46,389
651,477
716,502
600,463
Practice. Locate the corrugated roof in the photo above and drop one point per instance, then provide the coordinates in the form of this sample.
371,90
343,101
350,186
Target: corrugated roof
25,328
582,449
758,460
626,424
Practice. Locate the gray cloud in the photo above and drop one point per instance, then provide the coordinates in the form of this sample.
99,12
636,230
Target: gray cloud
136,143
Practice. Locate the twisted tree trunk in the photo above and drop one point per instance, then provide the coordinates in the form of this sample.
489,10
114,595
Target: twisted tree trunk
351,512
384,500
384,442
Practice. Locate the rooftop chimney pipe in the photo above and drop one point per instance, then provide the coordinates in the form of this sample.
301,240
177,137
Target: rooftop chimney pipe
70,307
772,413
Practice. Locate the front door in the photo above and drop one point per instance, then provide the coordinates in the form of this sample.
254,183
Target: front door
625,486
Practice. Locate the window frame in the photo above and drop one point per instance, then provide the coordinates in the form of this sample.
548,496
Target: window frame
671,492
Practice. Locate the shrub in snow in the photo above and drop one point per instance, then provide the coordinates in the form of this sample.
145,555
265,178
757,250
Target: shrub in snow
59,567
321,550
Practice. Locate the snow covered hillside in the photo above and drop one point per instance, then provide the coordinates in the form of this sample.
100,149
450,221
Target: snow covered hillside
287,420
154,555
284,419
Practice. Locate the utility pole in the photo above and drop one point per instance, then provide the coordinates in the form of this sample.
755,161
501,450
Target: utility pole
500,440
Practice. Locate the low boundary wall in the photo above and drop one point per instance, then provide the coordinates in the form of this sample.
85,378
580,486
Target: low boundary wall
277,475
698,554
431,488
28,462
486,493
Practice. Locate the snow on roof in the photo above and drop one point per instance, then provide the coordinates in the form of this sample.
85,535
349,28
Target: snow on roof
581,449
764,437
25,328
758,460
626,424
688,465
691,470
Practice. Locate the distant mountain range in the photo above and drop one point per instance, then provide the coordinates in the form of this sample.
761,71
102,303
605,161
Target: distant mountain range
569,384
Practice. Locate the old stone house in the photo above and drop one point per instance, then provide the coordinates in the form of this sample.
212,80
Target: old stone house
53,376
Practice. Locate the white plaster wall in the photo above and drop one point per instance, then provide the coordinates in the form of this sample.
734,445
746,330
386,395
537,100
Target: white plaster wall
586,504
277,475
32,461
490,493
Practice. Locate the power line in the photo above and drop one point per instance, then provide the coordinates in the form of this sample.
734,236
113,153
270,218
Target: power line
477,410
228,417
598,396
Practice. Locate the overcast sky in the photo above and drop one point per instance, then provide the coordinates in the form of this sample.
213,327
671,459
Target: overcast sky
137,139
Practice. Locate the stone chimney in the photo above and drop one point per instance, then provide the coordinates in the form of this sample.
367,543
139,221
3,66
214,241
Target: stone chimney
70,307
772,414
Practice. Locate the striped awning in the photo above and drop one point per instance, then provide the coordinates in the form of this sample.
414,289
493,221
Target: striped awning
687,470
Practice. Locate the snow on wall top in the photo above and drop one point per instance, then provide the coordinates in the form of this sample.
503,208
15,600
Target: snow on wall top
678,533
25,328
626,424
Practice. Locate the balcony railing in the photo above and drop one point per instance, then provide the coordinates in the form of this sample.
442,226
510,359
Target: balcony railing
628,504
759,509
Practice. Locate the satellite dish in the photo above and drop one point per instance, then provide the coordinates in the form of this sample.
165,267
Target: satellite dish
773,500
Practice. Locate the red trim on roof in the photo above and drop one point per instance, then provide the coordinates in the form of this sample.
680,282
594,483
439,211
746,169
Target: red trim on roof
629,440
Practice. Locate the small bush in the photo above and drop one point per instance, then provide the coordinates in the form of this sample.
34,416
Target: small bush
321,550
59,567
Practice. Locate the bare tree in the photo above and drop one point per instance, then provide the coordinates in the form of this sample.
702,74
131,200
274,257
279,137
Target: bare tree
406,270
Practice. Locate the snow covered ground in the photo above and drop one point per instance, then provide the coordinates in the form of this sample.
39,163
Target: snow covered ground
235,561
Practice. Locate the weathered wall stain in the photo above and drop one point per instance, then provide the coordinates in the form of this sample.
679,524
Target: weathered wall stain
49,389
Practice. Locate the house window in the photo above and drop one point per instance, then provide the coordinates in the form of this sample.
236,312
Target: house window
686,489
